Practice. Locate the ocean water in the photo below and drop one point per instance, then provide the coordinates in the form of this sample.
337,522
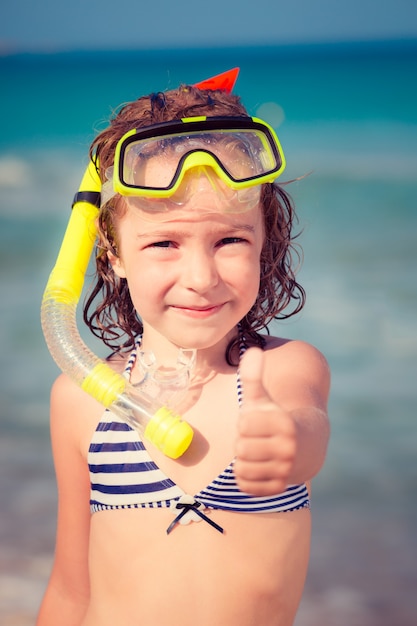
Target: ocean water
346,116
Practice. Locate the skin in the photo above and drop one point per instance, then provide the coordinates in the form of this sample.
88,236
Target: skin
192,277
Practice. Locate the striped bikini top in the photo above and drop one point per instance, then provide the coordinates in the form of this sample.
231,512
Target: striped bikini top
123,475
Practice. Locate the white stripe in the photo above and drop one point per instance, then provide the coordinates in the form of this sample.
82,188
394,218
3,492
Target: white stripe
121,457
128,478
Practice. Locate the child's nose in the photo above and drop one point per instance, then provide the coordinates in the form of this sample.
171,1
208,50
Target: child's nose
199,271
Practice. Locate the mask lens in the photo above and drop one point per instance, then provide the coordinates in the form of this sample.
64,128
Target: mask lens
150,163
236,155
245,155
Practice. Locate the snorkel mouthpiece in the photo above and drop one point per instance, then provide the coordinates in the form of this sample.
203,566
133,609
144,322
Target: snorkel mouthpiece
157,422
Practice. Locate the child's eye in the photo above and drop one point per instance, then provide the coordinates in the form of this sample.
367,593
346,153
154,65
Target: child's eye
228,240
162,244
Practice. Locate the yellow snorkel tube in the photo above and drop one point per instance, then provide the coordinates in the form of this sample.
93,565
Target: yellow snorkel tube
159,424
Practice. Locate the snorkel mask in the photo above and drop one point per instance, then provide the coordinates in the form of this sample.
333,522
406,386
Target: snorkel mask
262,162
158,167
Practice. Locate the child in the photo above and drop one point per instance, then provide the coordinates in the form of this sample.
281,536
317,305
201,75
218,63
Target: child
194,264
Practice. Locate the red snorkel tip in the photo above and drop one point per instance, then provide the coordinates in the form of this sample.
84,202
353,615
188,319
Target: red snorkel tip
225,81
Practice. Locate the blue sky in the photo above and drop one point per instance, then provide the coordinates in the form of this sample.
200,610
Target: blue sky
53,25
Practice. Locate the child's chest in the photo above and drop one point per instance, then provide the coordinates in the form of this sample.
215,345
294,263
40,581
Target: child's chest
213,417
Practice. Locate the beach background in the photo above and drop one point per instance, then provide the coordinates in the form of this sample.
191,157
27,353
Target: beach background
346,114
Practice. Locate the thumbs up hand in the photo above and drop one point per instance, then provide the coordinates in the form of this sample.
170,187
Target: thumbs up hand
266,442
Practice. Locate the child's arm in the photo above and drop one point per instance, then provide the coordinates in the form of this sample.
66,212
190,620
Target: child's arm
283,427
67,595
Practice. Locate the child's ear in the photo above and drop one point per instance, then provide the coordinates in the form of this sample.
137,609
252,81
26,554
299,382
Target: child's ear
117,265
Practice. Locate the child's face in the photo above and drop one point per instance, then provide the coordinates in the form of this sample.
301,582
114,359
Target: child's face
193,274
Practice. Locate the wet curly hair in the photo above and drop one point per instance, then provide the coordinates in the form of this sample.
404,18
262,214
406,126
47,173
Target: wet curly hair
108,310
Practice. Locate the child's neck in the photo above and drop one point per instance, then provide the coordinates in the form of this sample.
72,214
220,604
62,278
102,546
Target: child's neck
209,360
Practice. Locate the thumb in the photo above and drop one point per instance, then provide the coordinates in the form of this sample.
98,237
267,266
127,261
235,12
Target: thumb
251,376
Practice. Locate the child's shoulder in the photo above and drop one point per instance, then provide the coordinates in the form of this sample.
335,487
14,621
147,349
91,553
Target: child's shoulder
293,354
73,409
273,343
